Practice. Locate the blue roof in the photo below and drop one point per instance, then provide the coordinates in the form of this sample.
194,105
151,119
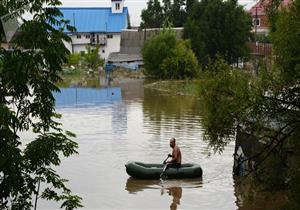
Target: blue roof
95,19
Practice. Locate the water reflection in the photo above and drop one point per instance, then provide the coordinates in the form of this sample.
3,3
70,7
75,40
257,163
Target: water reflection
132,90
119,118
178,115
135,123
134,186
176,193
157,104
172,188
249,196
86,97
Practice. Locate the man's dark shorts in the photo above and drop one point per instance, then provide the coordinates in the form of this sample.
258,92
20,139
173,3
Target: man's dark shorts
174,165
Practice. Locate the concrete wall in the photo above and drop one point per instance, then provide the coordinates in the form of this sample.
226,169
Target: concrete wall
80,38
113,45
132,40
79,48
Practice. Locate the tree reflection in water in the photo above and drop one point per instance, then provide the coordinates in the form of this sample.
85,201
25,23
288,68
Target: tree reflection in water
252,196
180,113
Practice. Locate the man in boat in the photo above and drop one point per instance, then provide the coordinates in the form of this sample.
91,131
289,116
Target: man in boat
176,155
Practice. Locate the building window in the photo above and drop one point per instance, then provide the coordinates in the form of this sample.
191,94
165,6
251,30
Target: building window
103,51
87,36
78,36
256,22
109,36
117,6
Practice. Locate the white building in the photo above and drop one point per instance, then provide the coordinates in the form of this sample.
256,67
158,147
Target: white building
97,26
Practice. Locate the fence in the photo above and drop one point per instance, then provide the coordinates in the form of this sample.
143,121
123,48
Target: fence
260,49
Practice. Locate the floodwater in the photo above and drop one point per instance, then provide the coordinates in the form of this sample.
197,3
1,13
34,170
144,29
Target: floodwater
117,124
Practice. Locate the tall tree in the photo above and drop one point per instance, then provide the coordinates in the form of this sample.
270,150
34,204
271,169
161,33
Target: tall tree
166,57
28,73
167,7
190,6
170,13
178,13
152,17
267,104
218,27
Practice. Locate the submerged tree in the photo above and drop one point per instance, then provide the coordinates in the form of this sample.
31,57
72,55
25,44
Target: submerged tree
28,73
267,105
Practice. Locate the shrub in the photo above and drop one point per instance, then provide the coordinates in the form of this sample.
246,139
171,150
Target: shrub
166,57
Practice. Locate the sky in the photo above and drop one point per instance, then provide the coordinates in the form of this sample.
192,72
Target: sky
135,6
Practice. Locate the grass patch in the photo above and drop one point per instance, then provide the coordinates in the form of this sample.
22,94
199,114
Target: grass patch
177,87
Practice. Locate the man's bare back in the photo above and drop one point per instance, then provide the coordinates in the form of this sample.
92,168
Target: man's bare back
176,153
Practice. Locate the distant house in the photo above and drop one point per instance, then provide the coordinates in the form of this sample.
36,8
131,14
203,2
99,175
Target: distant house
97,26
259,15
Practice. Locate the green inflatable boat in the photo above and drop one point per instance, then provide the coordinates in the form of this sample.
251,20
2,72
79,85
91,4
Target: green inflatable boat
140,170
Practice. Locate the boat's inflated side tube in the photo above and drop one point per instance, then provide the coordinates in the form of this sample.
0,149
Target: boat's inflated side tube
140,170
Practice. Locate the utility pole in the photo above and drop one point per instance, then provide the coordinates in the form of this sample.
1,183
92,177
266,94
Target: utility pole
255,39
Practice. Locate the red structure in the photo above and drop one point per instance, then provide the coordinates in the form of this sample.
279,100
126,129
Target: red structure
259,15
260,48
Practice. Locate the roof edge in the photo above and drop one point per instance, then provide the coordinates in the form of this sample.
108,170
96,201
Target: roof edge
64,7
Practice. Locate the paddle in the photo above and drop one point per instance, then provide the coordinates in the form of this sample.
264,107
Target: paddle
165,167
165,160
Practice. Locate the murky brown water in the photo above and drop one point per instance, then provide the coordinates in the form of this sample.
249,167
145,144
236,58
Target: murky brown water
116,125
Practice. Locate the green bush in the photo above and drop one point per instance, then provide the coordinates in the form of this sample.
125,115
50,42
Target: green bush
166,57
182,63
74,59
155,51
92,58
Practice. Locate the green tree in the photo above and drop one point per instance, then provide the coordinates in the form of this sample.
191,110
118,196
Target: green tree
152,17
74,59
285,39
155,51
181,63
189,6
225,93
167,7
170,13
92,58
178,13
28,73
269,104
165,57
217,27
